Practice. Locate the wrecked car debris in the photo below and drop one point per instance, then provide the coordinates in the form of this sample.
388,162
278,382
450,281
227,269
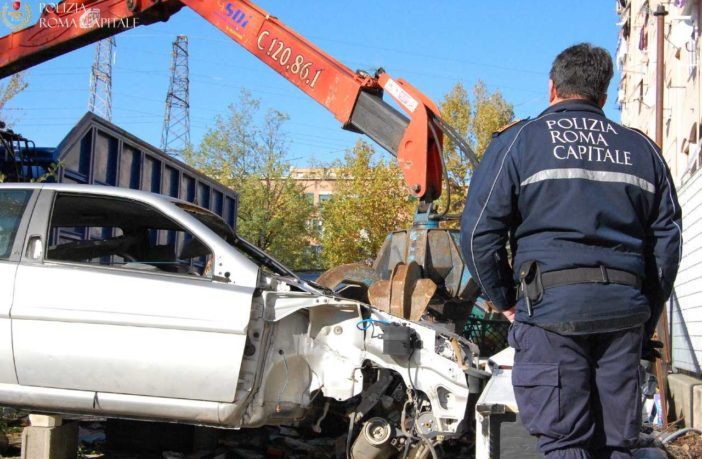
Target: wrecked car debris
176,288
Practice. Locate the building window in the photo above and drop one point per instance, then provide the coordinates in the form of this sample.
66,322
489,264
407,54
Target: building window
310,198
314,250
324,198
689,144
316,224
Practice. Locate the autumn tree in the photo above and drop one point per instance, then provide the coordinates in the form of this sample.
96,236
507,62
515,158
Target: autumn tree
370,200
15,85
247,153
9,89
230,150
475,121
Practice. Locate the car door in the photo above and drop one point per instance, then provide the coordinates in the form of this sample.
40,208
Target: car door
107,308
14,217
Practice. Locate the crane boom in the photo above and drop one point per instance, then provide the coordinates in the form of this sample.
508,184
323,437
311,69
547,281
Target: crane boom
355,98
414,268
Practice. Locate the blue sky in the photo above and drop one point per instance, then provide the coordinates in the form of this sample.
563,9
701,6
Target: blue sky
508,44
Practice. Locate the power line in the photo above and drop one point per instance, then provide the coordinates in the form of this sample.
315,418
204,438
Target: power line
364,45
351,62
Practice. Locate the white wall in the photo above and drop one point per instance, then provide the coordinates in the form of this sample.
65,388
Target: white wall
686,301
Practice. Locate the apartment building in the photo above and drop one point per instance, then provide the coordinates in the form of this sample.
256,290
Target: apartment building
637,61
318,182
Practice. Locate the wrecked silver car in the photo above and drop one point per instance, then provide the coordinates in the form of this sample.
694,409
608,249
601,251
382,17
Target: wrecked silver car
121,303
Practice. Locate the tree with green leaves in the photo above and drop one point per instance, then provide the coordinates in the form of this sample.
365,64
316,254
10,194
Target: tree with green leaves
248,155
371,200
475,121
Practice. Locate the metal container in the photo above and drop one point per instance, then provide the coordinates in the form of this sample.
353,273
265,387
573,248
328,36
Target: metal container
98,152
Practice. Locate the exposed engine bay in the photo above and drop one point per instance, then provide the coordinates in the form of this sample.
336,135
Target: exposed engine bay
389,386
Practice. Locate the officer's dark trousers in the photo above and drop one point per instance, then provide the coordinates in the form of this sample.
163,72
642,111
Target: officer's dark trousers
579,395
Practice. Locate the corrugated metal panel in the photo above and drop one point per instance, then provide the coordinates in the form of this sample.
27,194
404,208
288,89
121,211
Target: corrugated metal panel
686,302
98,152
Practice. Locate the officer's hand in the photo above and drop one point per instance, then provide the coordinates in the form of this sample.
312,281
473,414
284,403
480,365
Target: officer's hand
509,314
649,350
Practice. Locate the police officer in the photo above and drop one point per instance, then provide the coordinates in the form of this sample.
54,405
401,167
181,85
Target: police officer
592,219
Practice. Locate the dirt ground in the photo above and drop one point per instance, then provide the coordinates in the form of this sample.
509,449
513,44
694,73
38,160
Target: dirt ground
689,446
132,442
273,444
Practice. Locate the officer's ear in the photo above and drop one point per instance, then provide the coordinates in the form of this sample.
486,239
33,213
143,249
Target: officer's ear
552,94
603,100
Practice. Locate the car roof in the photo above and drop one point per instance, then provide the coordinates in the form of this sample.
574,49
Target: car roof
105,190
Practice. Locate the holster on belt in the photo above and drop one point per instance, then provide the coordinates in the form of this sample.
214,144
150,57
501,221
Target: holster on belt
530,284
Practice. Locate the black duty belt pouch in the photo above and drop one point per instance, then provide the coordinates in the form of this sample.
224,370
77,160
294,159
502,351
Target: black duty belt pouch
530,284
532,281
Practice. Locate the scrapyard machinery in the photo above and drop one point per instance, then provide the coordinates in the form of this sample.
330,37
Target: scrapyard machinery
419,273
415,267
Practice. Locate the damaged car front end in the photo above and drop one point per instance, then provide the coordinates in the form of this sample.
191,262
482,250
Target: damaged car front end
393,382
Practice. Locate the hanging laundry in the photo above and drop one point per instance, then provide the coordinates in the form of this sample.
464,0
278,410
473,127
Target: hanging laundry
643,34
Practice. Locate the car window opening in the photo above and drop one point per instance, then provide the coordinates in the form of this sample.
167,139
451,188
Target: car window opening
123,233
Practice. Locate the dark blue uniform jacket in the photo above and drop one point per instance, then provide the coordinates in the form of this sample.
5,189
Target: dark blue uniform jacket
570,189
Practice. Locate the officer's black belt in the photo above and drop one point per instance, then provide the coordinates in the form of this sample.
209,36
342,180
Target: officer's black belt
599,275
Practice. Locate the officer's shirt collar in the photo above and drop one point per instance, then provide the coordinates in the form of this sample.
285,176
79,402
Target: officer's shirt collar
570,105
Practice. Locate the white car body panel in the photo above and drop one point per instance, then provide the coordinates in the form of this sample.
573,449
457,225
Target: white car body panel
116,405
7,286
169,334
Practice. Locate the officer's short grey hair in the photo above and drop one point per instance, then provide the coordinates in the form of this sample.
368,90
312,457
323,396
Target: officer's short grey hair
582,71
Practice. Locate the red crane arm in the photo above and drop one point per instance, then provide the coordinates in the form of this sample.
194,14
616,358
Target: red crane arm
317,74
72,24
354,98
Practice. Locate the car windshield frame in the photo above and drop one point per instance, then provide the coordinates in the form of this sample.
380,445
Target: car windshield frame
215,223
